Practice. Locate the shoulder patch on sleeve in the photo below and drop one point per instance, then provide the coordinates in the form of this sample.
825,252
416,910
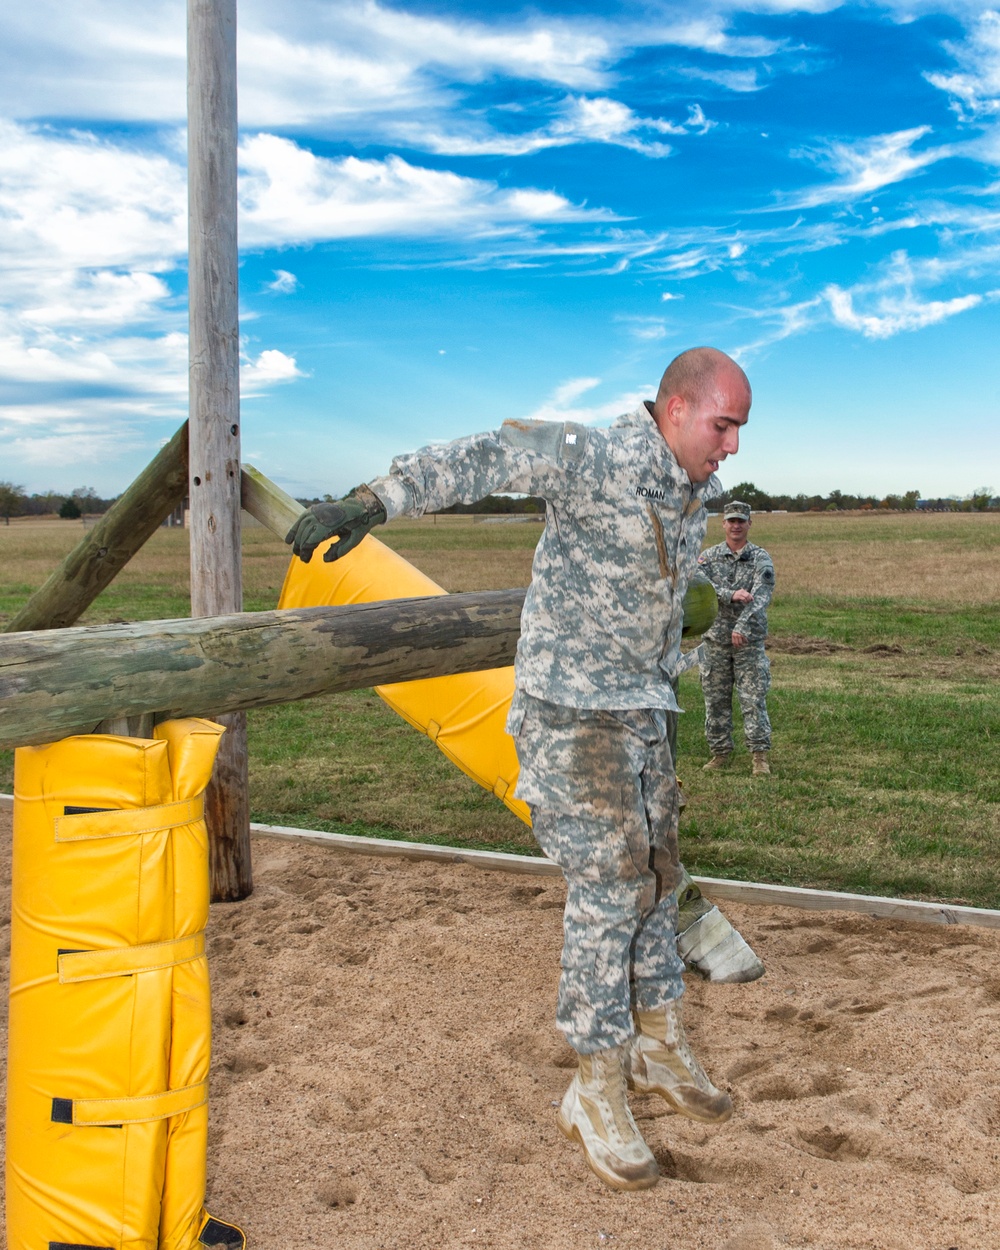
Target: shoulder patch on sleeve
767,575
563,442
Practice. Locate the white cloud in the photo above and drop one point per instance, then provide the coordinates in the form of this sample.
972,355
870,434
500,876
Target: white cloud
865,166
356,67
579,119
269,367
645,329
741,81
896,312
894,300
284,282
975,86
290,195
561,404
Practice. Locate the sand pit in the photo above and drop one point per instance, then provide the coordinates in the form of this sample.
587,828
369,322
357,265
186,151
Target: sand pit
385,1069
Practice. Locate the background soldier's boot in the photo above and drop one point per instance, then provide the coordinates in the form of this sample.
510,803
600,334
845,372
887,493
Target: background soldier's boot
707,942
596,1113
716,762
761,768
660,1062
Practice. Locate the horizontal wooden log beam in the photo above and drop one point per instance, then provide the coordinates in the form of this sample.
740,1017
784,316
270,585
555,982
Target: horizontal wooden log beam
53,684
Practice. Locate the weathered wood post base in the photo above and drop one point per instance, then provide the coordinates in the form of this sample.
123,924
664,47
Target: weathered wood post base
227,813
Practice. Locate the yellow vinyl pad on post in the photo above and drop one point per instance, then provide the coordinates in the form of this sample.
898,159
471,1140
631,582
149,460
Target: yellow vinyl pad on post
464,715
110,1013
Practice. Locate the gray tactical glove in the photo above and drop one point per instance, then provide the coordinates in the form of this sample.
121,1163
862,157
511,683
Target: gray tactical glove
349,519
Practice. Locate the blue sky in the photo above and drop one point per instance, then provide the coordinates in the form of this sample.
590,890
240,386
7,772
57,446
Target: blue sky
452,214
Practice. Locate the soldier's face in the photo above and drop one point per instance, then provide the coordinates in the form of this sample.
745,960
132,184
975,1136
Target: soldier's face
702,434
736,529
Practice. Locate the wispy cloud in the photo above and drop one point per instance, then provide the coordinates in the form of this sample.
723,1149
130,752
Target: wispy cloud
645,329
579,119
897,298
865,166
975,85
290,195
896,311
284,282
562,404
357,67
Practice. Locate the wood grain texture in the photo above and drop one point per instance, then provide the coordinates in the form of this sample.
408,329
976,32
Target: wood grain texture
215,483
105,550
269,504
57,683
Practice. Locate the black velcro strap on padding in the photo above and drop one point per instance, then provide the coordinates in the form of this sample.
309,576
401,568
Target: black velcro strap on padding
76,1245
218,1233
62,1113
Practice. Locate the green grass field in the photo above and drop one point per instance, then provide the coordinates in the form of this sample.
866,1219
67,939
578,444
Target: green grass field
885,654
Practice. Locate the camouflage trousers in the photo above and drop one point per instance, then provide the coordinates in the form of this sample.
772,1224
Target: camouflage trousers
748,669
603,802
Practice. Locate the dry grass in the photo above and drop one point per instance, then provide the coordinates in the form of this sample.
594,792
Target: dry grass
933,558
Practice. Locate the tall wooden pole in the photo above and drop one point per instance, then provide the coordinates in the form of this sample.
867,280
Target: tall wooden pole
214,433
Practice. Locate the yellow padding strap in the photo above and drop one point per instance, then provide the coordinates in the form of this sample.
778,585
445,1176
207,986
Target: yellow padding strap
98,1112
129,822
127,960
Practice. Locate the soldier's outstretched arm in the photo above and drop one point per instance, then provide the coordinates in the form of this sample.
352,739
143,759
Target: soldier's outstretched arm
532,457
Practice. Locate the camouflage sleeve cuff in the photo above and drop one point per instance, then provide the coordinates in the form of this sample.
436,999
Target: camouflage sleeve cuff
397,497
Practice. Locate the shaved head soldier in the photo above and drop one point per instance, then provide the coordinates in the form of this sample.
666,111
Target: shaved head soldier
597,660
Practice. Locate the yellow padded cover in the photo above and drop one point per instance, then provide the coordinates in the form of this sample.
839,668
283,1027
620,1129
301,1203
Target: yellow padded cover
465,714
109,1000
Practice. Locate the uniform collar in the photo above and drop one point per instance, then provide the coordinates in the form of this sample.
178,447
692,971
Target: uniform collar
663,458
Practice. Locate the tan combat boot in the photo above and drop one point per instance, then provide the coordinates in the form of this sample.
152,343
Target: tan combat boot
716,762
596,1113
660,1062
761,768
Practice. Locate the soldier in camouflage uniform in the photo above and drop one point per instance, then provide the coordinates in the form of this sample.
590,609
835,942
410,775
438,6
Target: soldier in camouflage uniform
599,648
733,650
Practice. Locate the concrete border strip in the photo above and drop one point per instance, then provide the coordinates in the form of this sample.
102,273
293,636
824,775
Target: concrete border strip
717,889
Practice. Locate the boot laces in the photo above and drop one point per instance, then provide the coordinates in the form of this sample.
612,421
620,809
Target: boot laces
683,1048
613,1083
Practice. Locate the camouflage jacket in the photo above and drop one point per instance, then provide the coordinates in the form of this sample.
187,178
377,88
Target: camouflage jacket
602,619
749,569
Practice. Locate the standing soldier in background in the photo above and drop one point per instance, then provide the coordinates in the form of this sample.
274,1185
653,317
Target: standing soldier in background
598,653
733,648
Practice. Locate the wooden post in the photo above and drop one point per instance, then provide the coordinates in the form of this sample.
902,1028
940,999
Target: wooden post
107,548
216,576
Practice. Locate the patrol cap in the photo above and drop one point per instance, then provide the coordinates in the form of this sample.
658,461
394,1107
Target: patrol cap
736,507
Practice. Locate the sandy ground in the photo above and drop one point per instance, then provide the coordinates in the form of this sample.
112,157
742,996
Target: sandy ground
386,1074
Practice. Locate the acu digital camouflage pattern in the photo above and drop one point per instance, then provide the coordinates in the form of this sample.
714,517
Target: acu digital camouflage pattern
604,806
598,653
602,619
746,668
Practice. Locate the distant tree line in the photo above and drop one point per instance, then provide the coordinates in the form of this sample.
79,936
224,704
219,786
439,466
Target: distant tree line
84,501
981,500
